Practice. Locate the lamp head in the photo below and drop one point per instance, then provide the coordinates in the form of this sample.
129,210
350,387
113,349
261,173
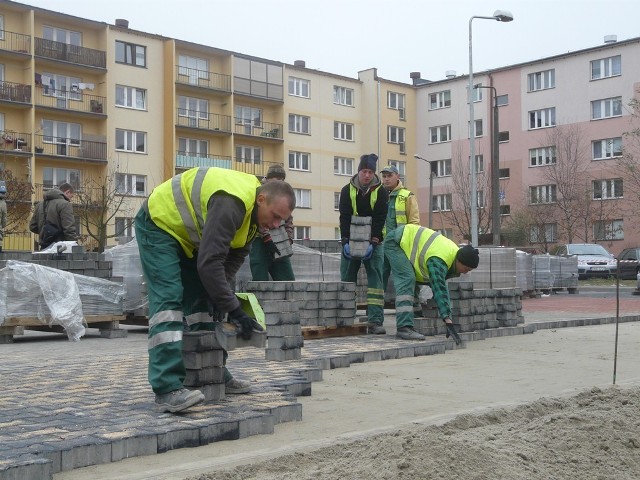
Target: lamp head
503,15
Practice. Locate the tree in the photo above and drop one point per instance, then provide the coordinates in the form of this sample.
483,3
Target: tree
18,200
628,164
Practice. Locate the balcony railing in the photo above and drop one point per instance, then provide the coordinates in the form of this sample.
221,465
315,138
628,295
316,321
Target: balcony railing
204,121
258,129
204,79
10,140
259,169
15,42
70,147
189,160
70,100
70,53
15,92
81,195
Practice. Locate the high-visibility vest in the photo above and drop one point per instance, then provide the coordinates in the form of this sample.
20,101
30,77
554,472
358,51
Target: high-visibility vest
353,194
179,205
421,243
397,213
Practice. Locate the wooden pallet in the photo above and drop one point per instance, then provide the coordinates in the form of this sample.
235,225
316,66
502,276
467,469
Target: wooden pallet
109,326
314,332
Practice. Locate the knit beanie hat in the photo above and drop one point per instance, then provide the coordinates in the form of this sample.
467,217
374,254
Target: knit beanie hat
368,161
469,256
276,171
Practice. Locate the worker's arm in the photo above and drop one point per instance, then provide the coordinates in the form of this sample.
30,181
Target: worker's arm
413,211
438,282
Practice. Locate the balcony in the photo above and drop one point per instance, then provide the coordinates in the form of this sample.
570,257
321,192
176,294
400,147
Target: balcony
186,160
15,42
70,53
74,101
257,168
15,93
203,121
203,79
15,141
71,148
263,130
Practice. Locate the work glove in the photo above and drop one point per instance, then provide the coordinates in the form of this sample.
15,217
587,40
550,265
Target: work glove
369,253
270,246
214,313
451,332
244,323
346,251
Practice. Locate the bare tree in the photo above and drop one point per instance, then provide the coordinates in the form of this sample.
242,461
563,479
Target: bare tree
628,164
18,201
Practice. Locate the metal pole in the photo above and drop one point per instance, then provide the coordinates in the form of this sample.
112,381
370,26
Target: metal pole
615,349
430,195
495,174
472,149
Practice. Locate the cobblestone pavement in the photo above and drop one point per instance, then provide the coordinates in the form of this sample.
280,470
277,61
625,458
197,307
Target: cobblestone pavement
67,405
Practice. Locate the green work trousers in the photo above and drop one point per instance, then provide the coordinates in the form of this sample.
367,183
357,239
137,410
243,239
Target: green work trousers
262,265
375,291
386,273
404,278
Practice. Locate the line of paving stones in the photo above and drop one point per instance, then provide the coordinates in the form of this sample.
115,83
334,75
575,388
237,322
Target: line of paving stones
57,415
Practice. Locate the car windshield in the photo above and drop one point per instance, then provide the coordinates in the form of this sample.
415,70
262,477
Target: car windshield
587,250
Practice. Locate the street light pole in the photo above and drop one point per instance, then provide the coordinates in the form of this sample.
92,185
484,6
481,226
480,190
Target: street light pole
430,188
500,16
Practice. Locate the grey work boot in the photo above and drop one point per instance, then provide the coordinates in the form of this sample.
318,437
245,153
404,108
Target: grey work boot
408,333
375,329
178,400
236,387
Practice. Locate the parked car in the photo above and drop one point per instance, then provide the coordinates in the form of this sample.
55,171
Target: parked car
593,260
629,260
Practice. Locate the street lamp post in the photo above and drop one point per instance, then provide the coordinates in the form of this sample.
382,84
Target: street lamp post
500,16
430,187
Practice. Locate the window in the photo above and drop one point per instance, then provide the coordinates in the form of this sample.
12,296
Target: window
443,168
301,233
131,97
440,100
396,101
396,135
504,173
248,154
342,96
193,67
604,189
298,87
542,80
257,78
131,184
441,202
250,117
299,161
447,232
608,230
52,177
401,166
125,227
62,134
193,109
542,156
606,67
542,118
299,124
193,147
480,163
2,28
503,137
131,141
505,209
542,194
440,134
61,35
502,100
481,199
62,87
336,233
303,198
607,148
545,233
336,200
477,129
477,93
131,54
343,166
606,108
343,131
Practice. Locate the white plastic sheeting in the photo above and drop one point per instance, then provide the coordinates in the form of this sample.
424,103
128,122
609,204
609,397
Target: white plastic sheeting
125,263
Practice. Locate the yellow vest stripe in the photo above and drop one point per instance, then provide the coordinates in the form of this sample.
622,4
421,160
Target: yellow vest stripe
183,210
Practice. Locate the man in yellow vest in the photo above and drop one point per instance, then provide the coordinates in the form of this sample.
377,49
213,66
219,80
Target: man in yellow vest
194,232
419,254
365,196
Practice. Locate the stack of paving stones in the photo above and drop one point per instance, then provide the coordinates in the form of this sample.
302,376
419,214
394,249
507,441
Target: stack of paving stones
474,310
359,236
281,239
204,361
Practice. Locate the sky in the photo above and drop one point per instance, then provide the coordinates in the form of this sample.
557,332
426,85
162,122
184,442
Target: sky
395,36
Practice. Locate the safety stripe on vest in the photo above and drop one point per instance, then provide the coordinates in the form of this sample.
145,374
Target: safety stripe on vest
183,210
198,317
165,316
196,191
164,337
423,251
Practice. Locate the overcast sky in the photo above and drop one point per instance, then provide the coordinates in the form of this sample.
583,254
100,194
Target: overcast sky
346,36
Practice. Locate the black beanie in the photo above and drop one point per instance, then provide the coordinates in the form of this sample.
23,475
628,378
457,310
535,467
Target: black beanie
469,256
368,161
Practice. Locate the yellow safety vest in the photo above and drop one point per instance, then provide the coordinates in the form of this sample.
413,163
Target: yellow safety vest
399,210
179,205
353,193
421,243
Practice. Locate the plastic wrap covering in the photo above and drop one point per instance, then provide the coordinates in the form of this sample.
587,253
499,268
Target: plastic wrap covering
544,271
497,269
566,275
125,263
524,271
59,247
55,297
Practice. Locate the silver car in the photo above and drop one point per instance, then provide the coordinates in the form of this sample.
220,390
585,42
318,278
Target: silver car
593,260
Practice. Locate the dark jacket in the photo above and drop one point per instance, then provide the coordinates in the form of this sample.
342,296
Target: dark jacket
363,204
59,213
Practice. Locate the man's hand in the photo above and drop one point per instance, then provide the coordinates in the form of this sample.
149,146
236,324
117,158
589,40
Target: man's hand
346,251
369,253
245,324
451,331
270,246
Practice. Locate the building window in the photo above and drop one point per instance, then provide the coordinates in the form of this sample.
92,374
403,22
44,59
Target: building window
258,78
299,124
606,108
1,27
505,209
193,147
131,141
299,161
480,163
401,166
542,118
606,67
481,199
440,134
343,166
396,135
248,154
52,177
62,134
440,100
303,198
477,93
396,101
542,80
62,87
443,168
502,100
343,131
131,54
62,35
299,87
193,109
336,200
504,173
125,227
248,118
503,137
447,232
342,96
542,156
131,184
542,194
607,148
301,233
546,233
131,97
608,230
605,189
441,202
193,67
478,128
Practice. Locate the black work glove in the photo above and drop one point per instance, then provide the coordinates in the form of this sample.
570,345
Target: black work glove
270,246
245,324
451,332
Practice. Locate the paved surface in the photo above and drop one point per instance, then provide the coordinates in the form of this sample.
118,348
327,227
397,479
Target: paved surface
68,405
